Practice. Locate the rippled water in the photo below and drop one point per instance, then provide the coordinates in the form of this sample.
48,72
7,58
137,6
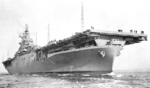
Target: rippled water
117,80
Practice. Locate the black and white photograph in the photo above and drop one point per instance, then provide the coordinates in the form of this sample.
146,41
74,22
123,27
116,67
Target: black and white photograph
74,44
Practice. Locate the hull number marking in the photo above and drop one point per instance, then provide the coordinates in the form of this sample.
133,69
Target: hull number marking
102,53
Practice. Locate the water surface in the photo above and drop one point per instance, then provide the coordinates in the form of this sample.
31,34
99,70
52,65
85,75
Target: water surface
117,80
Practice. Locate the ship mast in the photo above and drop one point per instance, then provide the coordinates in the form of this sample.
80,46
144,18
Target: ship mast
82,17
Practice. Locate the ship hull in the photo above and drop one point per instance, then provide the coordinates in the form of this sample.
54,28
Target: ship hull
92,60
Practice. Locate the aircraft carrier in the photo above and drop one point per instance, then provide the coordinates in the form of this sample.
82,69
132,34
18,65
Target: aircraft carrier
90,51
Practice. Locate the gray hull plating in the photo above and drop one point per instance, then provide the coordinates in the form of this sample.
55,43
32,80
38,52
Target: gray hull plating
92,59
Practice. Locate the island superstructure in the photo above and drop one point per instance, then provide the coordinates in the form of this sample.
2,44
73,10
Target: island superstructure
90,51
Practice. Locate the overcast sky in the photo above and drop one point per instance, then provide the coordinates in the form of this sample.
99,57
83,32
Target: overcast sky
64,17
